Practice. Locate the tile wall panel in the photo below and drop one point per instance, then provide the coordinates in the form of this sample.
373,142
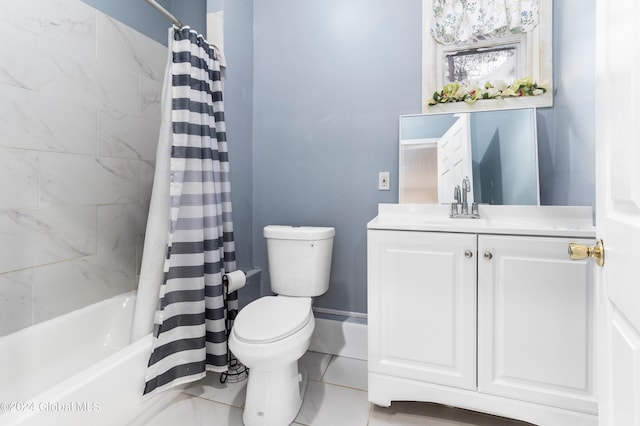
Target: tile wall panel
86,80
121,45
79,180
19,177
79,117
16,301
125,135
151,95
81,281
31,120
32,237
120,225
68,23
22,70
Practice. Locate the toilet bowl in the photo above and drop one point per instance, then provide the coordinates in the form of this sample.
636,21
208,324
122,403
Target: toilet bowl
275,388
270,334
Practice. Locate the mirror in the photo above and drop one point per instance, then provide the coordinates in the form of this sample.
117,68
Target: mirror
497,150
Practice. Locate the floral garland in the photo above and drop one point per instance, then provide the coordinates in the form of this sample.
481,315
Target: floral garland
466,92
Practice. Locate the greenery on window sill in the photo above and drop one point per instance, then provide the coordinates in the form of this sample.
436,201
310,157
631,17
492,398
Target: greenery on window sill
469,93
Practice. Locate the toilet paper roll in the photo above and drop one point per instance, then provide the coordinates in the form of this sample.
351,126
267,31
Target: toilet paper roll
234,280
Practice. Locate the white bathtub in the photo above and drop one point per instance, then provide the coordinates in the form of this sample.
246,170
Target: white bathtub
78,369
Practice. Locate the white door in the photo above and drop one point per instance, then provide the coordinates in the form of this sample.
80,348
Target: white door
618,209
454,159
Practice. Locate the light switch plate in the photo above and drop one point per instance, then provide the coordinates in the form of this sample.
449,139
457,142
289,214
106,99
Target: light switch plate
383,181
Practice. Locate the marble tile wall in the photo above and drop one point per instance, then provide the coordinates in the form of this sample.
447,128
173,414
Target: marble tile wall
79,119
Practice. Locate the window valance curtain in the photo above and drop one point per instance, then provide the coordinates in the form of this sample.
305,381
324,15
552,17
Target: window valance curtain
459,21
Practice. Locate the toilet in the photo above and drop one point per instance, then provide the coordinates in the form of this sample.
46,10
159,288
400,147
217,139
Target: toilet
270,334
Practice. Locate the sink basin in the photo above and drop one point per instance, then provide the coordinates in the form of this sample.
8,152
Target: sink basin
521,220
454,222
481,222
484,221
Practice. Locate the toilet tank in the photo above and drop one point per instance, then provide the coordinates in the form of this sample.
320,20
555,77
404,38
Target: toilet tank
299,259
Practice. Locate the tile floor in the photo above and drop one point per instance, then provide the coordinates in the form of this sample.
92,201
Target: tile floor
336,396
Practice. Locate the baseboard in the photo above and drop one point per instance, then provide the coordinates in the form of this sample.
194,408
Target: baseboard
343,338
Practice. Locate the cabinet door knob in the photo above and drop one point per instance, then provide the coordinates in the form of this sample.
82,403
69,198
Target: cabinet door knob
488,255
468,254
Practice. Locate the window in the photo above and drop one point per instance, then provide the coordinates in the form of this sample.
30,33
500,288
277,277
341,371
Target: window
482,64
494,58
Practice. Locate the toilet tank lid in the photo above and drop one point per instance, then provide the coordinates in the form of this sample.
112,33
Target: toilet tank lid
298,232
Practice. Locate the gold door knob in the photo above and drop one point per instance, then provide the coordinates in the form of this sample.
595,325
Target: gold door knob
582,251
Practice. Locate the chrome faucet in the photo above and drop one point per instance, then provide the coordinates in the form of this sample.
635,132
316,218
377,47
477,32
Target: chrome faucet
466,187
460,206
457,201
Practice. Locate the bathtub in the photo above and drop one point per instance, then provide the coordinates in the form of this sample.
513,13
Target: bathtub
78,369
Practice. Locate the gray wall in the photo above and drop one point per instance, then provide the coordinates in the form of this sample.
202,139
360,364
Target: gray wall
238,103
566,132
331,79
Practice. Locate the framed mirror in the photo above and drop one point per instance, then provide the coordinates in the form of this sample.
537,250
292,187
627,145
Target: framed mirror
497,150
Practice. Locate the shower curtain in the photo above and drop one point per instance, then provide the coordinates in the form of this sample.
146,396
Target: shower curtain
189,326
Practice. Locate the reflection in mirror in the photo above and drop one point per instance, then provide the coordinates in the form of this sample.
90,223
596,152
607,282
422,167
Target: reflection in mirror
497,150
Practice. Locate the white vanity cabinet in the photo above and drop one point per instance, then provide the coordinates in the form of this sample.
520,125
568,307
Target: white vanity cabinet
535,322
488,319
422,288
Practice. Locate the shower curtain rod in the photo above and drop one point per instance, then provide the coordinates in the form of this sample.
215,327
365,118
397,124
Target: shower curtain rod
165,13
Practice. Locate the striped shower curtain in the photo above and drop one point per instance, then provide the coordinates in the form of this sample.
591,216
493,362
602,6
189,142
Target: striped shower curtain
189,327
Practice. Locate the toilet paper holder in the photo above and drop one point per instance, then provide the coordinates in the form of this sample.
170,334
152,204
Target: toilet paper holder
236,371
234,280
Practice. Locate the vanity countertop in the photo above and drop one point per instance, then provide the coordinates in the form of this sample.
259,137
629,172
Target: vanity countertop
560,221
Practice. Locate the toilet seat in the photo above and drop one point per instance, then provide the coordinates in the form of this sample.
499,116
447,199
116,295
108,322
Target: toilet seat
272,318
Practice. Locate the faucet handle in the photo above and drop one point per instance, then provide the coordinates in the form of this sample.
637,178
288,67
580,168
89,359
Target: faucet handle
455,211
466,184
456,195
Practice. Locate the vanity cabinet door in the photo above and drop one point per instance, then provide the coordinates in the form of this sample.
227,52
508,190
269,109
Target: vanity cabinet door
422,306
535,322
